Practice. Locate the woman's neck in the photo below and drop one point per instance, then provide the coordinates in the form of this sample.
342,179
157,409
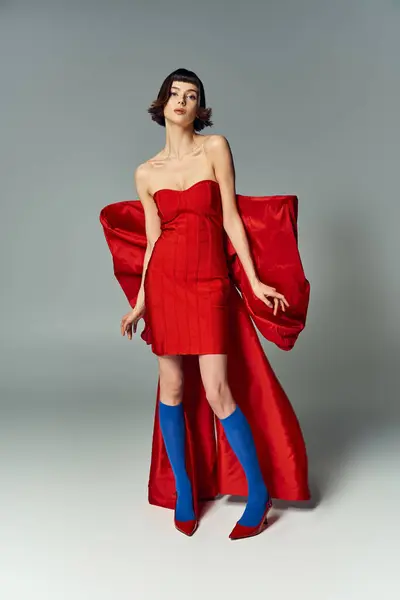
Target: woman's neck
179,141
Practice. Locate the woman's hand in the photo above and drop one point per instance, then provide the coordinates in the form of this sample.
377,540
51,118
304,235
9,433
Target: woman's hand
262,291
131,319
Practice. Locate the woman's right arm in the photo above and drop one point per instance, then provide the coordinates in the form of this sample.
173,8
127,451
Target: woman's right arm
152,222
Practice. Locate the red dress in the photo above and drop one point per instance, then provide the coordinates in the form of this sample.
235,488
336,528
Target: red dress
270,223
187,284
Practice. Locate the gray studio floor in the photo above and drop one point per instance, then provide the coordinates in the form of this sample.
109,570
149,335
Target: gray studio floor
76,523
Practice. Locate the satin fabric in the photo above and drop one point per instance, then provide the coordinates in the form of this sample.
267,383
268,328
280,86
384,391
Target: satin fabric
271,226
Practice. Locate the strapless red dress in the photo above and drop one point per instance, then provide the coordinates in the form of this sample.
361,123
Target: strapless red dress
187,284
198,300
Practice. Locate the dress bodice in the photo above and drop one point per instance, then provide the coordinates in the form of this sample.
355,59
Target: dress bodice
192,235
202,199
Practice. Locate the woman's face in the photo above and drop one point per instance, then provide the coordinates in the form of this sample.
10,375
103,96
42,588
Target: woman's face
183,97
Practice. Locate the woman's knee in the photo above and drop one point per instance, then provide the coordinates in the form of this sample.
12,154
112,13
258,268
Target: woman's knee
215,391
214,375
219,397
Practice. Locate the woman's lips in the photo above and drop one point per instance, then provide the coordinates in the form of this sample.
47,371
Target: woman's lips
180,111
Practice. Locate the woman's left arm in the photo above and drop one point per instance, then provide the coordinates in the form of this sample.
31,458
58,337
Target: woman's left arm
225,173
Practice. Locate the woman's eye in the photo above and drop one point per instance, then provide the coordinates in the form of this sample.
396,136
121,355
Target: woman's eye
192,97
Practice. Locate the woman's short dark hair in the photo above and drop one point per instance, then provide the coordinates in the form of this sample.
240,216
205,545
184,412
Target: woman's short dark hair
156,109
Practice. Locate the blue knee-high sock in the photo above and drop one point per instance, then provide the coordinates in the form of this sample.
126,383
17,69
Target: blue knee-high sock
172,425
241,440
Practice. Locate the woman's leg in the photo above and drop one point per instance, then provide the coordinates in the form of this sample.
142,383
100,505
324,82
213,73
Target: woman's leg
172,426
213,368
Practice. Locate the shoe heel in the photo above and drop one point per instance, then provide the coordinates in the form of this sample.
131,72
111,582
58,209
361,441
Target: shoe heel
243,531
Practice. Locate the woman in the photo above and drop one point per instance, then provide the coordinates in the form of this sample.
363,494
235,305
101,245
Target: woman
186,294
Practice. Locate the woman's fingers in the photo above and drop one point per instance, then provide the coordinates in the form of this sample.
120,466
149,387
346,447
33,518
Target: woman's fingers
279,300
280,297
125,325
129,324
267,302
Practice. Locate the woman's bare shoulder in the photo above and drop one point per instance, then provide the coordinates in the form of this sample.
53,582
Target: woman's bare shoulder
211,140
141,173
144,172
216,140
143,177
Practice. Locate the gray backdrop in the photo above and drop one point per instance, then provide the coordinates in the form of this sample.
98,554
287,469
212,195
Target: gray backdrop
307,94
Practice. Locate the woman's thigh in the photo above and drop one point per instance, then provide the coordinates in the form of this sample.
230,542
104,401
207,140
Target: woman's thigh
213,369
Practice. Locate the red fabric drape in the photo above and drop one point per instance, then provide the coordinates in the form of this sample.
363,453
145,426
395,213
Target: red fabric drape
271,226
